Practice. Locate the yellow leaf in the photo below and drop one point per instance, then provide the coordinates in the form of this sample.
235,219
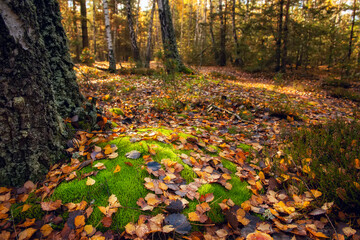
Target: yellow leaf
193,216
90,181
306,169
316,193
130,228
163,186
117,169
46,230
26,207
102,209
89,229
348,231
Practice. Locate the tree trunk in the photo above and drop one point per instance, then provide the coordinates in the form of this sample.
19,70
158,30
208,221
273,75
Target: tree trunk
168,35
112,63
279,37
134,46
286,33
211,23
148,48
76,37
38,89
222,55
84,29
94,27
352,30
237,61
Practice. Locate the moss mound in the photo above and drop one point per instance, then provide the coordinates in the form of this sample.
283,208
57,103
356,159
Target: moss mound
128,184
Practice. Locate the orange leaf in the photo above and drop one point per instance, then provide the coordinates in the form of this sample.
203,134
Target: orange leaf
26,207
117,169
79,221
46,230
26,234
193,216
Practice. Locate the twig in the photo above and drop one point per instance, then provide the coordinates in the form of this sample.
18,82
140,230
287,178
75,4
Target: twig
13,220
204,225
211,106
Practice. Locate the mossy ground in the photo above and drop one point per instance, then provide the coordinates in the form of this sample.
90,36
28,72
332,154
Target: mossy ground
128,184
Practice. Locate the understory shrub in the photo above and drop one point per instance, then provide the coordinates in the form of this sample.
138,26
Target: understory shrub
329,157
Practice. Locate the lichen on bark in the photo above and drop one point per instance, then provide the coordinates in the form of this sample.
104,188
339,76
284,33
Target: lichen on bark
38,89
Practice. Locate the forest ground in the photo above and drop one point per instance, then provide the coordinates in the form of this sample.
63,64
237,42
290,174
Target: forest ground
226,108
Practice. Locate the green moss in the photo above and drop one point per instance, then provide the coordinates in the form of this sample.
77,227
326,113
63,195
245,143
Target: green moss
128,184
244,147
117,111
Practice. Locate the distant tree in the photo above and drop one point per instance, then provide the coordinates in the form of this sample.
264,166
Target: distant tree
150,29
38,89
84,29
168,35
112,63
134,45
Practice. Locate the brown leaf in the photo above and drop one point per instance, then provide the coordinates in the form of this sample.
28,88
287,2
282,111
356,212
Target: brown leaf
27,223
258,236
348,231
106,221
50,206
26,234
4,235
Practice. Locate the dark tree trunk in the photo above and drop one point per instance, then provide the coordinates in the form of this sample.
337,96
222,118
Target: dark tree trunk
237,61
94,27
134,46
38,89
148,48
279,37
211,29
76,37
222,55
286,33
168,35
84,29
352,31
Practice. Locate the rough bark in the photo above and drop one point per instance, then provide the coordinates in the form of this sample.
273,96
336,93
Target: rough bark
38,89
222,54
134,46
279,37
148,48
237,61
77,42
112,63
284,61
94,27
168,34
211,29
352,31
84,29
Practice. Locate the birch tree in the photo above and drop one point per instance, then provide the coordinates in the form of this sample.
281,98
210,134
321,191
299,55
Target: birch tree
112,63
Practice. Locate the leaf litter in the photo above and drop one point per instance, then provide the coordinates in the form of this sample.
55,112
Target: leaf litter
284,214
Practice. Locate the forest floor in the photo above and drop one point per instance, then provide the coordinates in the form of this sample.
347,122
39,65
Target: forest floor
218,126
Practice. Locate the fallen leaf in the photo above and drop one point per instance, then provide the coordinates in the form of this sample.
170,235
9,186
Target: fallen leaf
130,228
79,221
26,234
117,169
90,181
106,221
348,231
133,154
26,207
258,236
46,230
50,206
